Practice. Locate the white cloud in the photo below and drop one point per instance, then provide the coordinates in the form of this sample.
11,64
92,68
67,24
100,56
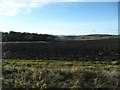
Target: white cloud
72,0
0,5
28,11
14,7
33,4
12,12
13,4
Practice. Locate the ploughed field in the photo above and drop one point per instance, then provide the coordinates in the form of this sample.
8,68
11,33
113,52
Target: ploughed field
60,74
89,50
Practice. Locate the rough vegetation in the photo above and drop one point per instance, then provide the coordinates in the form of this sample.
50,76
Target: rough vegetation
60,74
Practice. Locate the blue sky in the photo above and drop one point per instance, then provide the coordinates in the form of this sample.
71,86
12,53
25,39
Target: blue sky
60,18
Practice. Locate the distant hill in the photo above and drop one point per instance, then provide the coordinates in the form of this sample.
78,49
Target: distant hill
13,36
87,37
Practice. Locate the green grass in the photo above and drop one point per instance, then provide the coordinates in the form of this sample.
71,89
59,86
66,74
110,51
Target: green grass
59,74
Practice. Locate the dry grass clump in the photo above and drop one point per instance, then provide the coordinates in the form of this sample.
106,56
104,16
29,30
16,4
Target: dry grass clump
63,75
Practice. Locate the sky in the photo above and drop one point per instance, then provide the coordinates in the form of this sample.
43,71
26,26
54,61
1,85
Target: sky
65,17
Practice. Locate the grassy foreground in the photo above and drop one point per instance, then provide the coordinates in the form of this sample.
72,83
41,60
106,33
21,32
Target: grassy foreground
59,74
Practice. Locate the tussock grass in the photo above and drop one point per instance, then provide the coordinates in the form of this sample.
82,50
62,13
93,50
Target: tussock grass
59,74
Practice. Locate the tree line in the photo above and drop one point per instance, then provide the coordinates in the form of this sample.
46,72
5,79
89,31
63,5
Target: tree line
13,36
